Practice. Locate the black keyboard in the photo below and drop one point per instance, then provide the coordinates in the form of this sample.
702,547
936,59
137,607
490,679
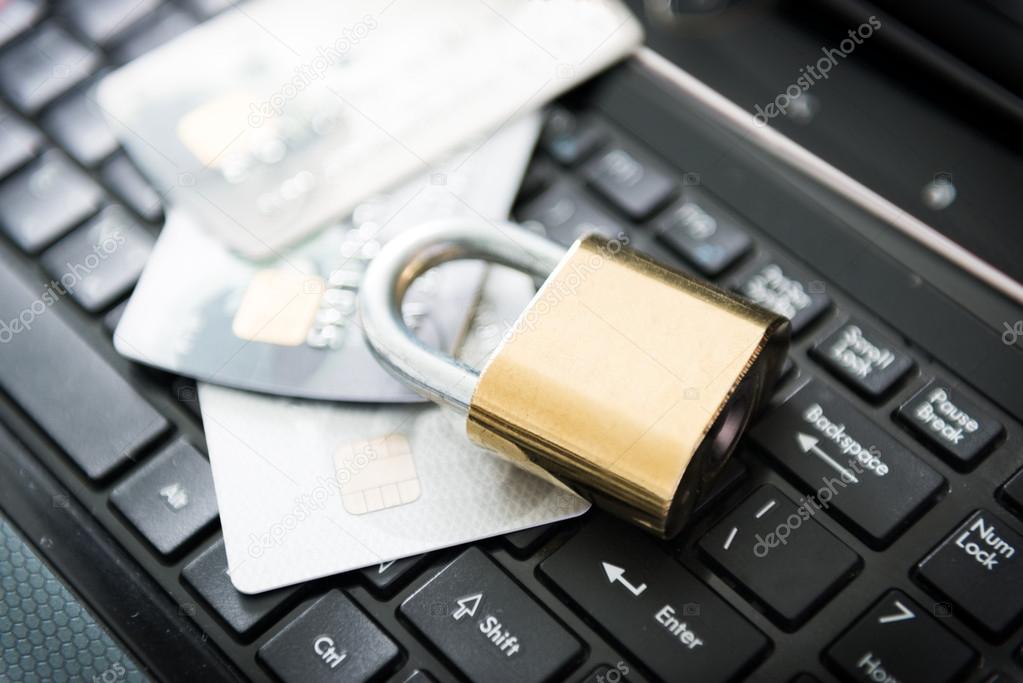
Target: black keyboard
869,528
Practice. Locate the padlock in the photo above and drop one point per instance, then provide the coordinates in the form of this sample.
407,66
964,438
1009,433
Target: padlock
626,380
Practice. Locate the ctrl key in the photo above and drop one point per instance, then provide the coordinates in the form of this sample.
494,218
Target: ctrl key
979,568
333,641
488,627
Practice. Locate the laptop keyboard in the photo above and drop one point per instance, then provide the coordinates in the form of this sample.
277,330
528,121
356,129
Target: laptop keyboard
900,566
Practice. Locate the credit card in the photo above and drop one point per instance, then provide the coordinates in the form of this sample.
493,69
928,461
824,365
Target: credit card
290,326
308,489
275,117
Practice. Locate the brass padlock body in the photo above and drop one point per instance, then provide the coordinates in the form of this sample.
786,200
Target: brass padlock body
628,381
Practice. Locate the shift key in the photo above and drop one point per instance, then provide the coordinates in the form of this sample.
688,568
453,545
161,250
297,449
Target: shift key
850,466
487,626
669,620
66,386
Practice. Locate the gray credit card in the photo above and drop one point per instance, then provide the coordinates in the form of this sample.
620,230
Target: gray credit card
276,116
307,488
290,326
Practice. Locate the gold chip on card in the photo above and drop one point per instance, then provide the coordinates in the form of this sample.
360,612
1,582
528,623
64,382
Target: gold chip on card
211,128
278,307
376,474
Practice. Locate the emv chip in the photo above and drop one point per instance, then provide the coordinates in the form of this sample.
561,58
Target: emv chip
278,307
375,474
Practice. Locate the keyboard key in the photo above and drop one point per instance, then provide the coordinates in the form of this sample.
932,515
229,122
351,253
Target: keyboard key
950,424
786,290
863,358
19,141
80,129
630,180
121,176
1012,492
170,500
523,543
897,640
566,214
420,677
487,626
45,200
245,614
102,21
702,231
99,262
836,452
655,608
45,65
163,25
570,139
767,537
385,577
16,16
979,568
67,387
333,641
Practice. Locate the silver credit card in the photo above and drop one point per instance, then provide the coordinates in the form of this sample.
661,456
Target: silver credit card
275,117
307,489
290,326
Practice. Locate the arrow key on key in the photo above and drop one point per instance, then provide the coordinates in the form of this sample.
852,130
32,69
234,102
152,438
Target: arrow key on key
670,621
487,626
873,483
618,574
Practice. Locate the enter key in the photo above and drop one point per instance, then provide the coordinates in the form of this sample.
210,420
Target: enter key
667,619
978,567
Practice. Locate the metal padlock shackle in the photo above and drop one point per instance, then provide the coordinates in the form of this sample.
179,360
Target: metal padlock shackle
568,393
434,375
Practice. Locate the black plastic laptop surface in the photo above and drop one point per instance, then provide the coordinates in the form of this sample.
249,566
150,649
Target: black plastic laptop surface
869,528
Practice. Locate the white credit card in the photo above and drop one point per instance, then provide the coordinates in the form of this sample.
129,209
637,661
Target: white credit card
275,117
308,489
289,326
